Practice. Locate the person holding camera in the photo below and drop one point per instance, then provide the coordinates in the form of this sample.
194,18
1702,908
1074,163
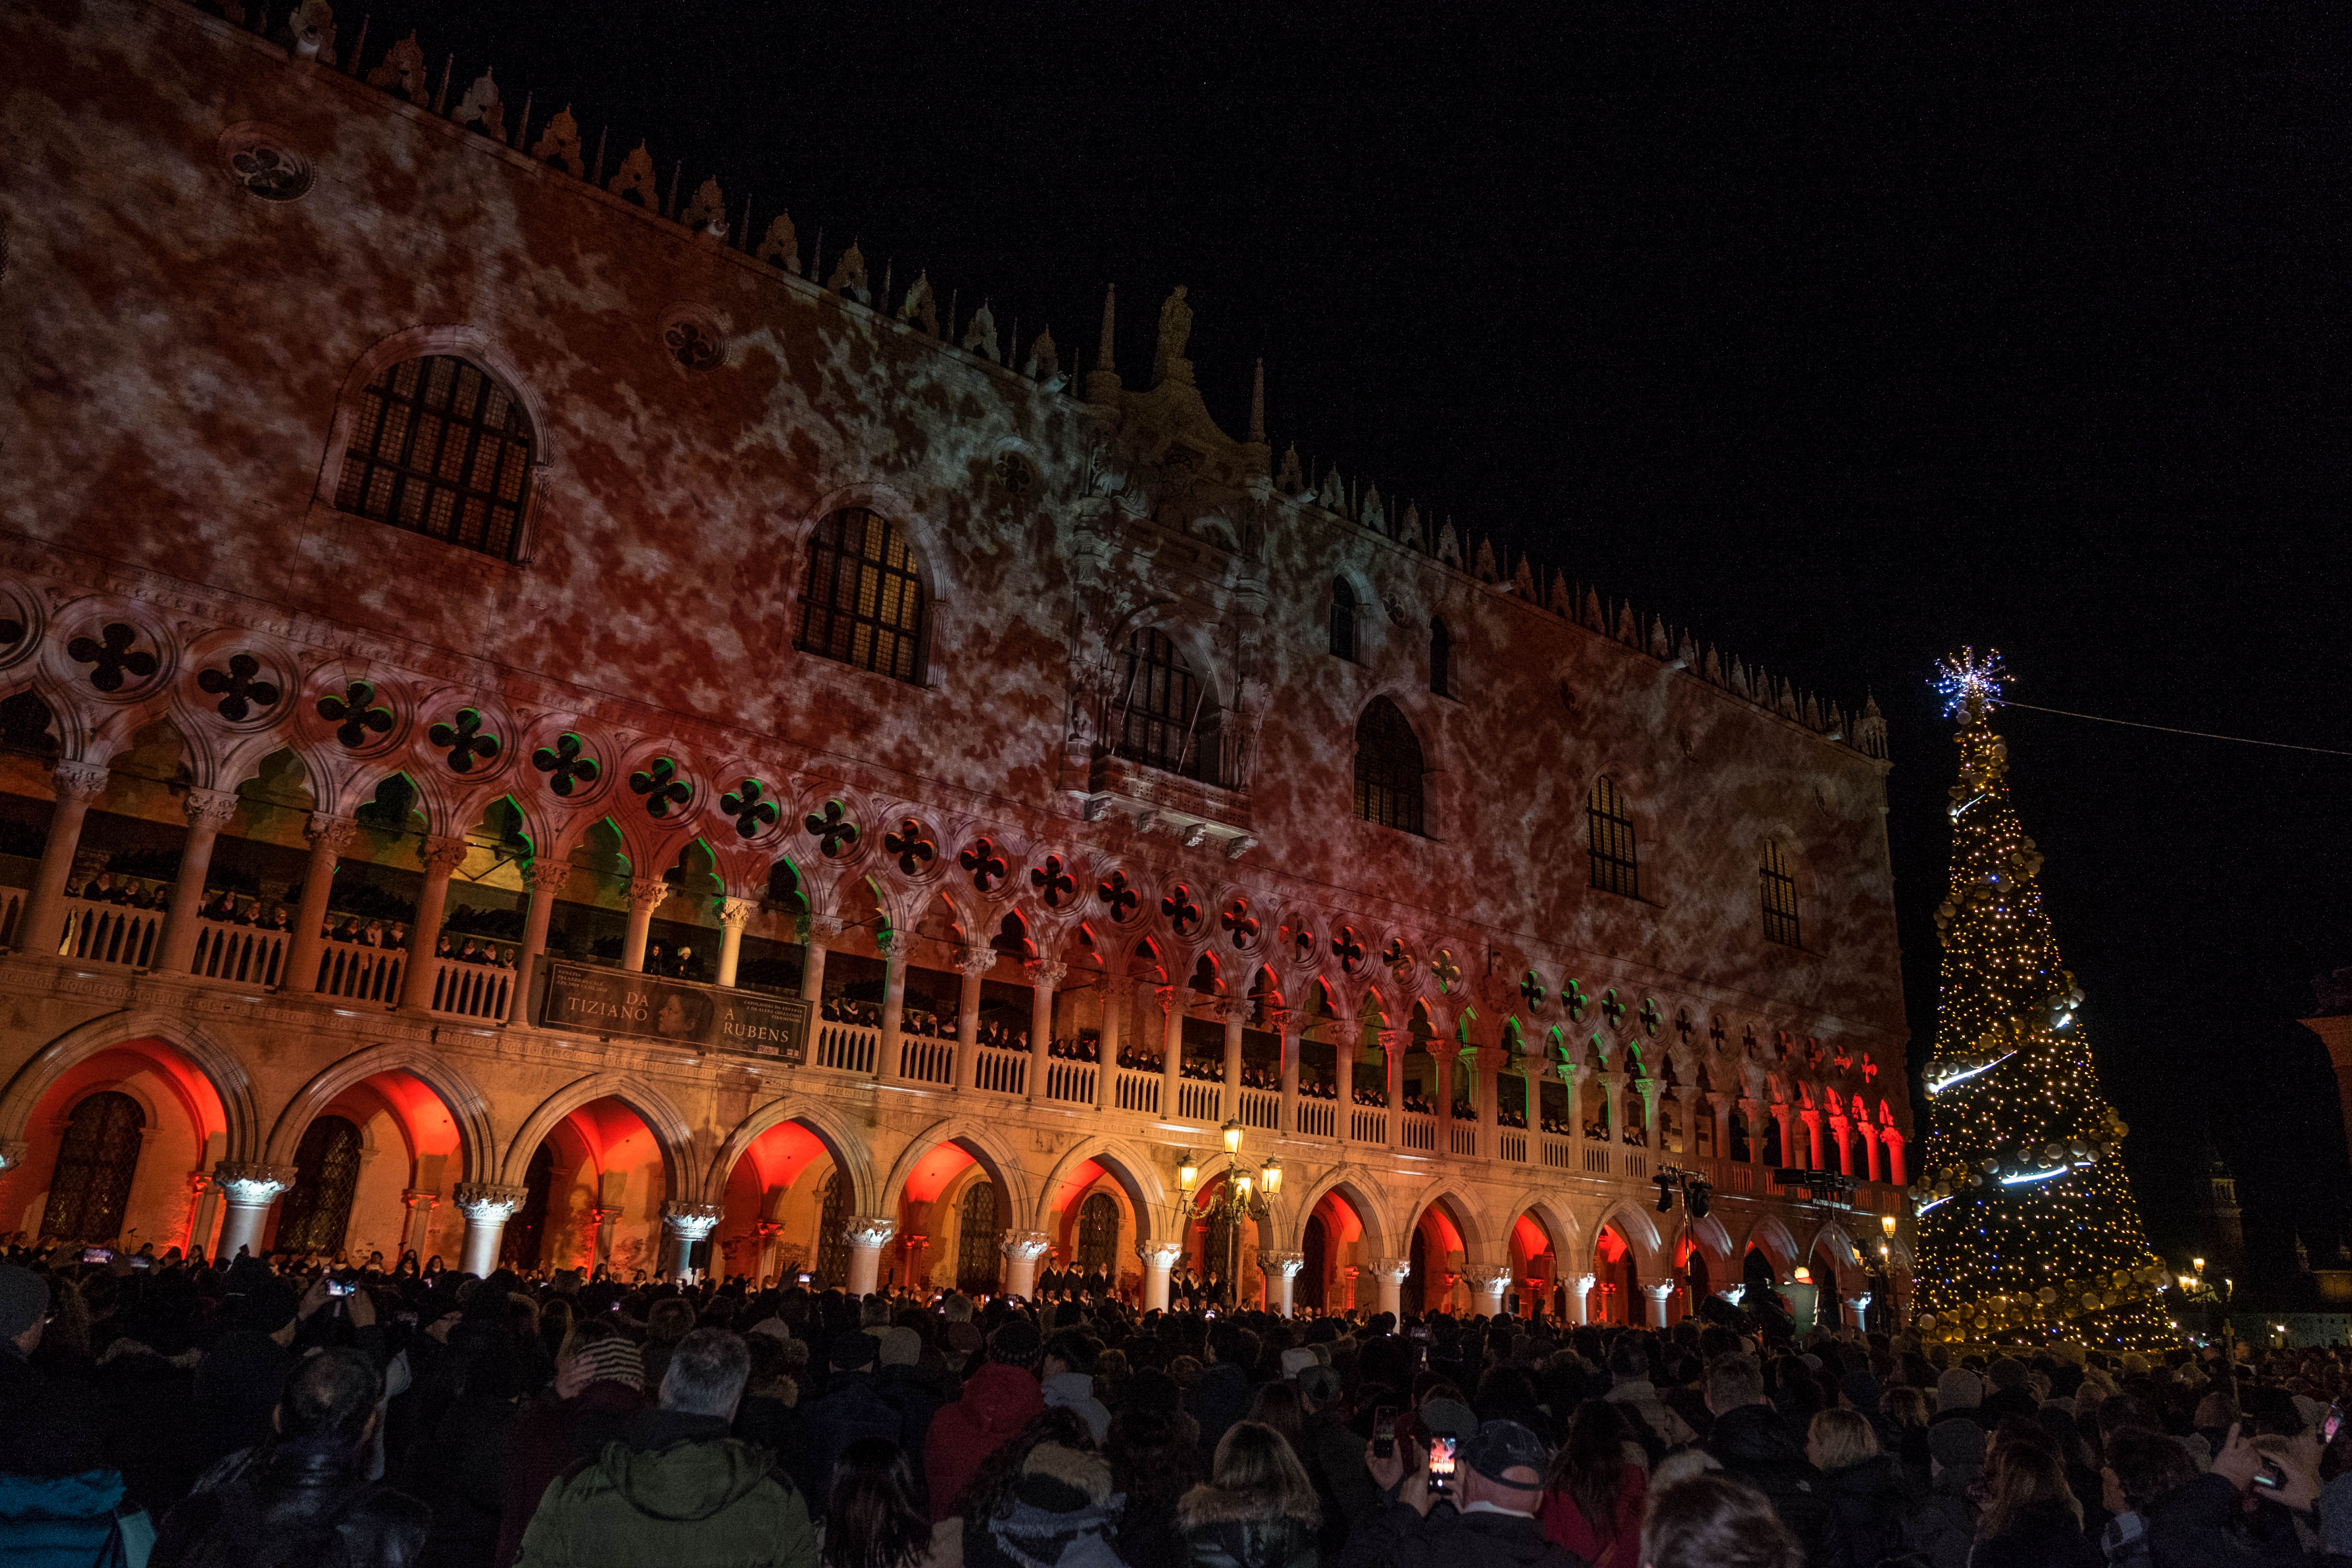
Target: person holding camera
1465,1503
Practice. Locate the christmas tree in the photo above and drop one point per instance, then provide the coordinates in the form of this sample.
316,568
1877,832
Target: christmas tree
2027,1228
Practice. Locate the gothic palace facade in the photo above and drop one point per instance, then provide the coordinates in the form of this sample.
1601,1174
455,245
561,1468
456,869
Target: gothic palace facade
478,649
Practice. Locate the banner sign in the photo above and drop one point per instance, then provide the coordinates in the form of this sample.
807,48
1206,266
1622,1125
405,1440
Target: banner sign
684,1012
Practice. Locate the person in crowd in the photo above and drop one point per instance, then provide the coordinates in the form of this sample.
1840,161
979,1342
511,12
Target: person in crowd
1755,1443
1595,1490
1942,1526
2031,1519
1257,1510
851,1410
1154,1451
677,1488
1485,1516
1062,1514
1869,1495
2141,1468
1223,1395
59,1506
999,1399
1069,1382
303,1497
599,1388
1630,1383
1717,1521
871,1517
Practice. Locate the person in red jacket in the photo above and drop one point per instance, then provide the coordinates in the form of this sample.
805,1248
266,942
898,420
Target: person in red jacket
999,1399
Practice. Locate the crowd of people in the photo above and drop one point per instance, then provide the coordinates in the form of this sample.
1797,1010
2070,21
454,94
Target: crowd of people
176,1416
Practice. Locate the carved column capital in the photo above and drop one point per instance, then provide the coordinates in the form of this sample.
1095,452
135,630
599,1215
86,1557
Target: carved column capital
1487,1278
975,961
1159,1255
442,855
550,875
1391,1270
80,781
412,1200
820,931
1582,1284
330,832
693,1222
1659,1289
1858,1305
734,914
211,807
1048,972
893,944
1021,1245
251,1185
869,1233
1732,1293
647,894
1285,1264
485,1202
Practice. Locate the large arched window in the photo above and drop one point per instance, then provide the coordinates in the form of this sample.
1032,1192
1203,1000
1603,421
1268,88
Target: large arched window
863,604
326,1174
1779,896
1167,718
1098,1236
1343,620
443,449
976,1254
832,1234
1611,834
92,1185
1388,768
1440,659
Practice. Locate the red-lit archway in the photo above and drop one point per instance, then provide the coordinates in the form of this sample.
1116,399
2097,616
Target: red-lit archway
1535,1266
1616,1293
126,1171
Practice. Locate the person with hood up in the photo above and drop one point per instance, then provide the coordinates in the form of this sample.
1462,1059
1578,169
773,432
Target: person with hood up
677,1489
999,1399
1869,1495
1062,1512
1070,1379
1942,1527
1754,1442
1258,1509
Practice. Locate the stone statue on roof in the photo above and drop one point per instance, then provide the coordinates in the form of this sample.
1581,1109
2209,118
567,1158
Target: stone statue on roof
1175,328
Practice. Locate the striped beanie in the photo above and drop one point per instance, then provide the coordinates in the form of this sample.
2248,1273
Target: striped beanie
614,1359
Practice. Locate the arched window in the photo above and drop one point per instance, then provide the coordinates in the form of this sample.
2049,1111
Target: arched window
1611,841
863,604
1168,718
440,448
90,1188
1388,768
1440,659
1779,896
1098,1236
326,1173
832,1240
976,1265
1343,620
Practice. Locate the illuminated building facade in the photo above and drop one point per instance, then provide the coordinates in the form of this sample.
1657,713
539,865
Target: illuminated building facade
482,636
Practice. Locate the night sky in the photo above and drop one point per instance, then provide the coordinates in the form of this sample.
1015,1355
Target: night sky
1841,339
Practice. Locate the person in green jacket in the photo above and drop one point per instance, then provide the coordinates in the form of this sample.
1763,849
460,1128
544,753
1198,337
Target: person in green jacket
676,1489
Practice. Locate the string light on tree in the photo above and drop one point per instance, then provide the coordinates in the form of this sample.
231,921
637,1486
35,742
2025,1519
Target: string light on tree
2028,1229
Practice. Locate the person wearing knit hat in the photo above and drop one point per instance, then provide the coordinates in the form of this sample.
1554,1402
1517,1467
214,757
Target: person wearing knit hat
1061,1511
599,1390
604,1361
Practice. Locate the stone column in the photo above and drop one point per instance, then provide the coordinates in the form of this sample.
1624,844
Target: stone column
770,1232
1838,1140
1751,1116
1389,1275
1022,1249
542,882
1107,1050
1344,1048
868,1234
487,1209
1895,1166
1612,1115
417,1228
1236,1011
1291,1039
1855,1306
1441,1055
1580,1292
1490,1069
1732,1293
734,914
208,811
1159,1259
1172,1048
1488,1282
894,946
1044,975
646,894
1812,1120
817,933
973,963
1660,1292
441,857
1719,1137
1869,1135
203,1204
686,1227
330,836
1392,1049
1647,1088
249,1190
42,928
1281,1270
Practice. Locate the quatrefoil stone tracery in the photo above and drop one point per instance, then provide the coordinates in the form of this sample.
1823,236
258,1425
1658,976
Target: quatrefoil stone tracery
836,832
1119,896
1052,883
462,738
663,789
914,849
355,714
986,864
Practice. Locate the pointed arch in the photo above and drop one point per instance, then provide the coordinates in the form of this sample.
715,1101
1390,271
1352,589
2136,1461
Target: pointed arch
1128,1163
1467,1217
986,1145
1633,1223
221,1070
1360,1189
845,1142
1768,1234
1390,768
476,1138
671,1132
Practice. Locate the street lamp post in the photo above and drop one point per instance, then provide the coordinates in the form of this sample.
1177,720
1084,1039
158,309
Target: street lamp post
1233,1205
2199,1291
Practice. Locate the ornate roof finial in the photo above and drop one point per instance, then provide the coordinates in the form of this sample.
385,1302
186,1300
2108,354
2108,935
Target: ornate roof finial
980,337
782,245
1102,382
920,307
1257,404
1044,362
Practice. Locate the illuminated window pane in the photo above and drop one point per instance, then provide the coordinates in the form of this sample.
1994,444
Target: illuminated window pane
862,602
436,447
